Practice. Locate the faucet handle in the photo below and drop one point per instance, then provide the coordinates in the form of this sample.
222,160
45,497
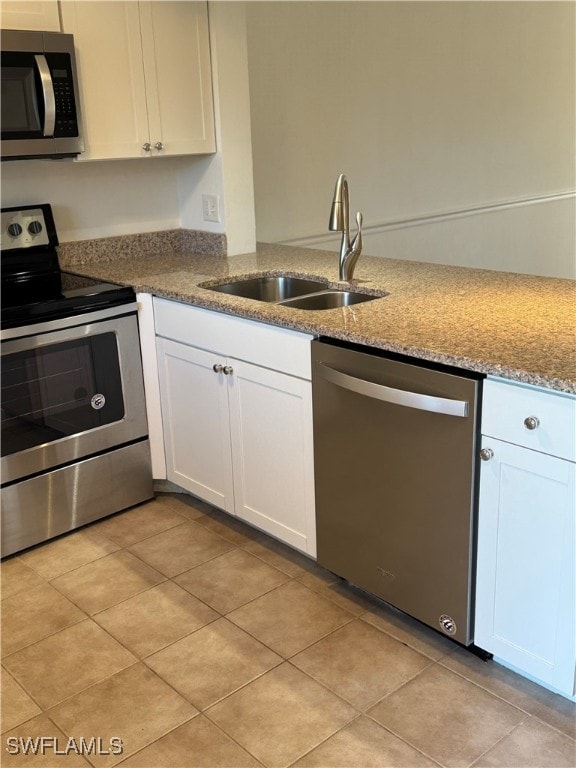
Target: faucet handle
356,244
354,250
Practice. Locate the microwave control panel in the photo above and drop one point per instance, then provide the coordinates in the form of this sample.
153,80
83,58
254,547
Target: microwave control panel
61,71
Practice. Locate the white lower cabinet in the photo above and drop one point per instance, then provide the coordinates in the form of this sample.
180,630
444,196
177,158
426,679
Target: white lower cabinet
272,462
237,432
195,415
525,592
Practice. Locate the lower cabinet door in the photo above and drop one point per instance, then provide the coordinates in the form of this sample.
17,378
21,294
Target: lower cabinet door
271,429
196,424
239,436
525,594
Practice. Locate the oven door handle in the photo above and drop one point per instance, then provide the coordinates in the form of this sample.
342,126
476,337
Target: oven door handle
401,397
47,94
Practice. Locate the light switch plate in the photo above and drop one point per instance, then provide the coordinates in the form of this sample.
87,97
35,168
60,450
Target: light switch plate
210,207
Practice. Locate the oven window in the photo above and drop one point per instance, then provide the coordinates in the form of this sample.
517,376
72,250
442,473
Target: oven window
59,390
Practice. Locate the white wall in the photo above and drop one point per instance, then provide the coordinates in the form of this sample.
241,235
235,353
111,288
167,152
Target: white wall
229,173
431,109
536,239
101,198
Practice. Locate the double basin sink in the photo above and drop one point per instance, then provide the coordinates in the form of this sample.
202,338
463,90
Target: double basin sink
295,292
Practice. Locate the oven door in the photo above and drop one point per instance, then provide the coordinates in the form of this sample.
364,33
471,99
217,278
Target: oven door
70,394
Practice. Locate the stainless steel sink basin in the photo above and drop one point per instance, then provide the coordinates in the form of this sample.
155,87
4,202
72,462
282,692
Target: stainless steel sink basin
330,299
296,292
273,288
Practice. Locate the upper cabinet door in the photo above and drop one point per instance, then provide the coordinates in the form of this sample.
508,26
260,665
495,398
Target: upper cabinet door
175,42
111,75
145,77
28,14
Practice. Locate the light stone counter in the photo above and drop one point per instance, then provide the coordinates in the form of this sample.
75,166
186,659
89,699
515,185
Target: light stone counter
521,327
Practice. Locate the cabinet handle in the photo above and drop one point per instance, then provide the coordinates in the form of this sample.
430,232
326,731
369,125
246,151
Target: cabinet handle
217,368
228,370
532,422
147,147
159,146
486,454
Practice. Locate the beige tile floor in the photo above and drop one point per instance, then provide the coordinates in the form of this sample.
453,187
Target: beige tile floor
202,643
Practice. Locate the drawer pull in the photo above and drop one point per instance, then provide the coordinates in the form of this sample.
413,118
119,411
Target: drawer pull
532,422
228,370
217,368
486,454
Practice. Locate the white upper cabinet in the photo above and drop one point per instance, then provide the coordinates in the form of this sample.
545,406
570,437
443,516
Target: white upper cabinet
178,76
111,74
145,77
27,14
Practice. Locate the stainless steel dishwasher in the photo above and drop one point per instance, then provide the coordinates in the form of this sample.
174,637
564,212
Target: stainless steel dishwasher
394,451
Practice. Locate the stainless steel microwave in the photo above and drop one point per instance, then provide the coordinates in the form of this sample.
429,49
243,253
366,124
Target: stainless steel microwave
40,102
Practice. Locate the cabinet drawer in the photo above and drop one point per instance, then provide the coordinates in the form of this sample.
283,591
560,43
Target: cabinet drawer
509,410
278,348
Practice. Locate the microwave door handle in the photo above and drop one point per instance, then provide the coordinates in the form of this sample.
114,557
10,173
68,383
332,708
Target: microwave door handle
48,94
396,396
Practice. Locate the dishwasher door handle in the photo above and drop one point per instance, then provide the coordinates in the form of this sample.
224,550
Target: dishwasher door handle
396,396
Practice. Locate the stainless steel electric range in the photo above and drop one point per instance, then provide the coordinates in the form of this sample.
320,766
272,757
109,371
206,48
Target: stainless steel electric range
74,433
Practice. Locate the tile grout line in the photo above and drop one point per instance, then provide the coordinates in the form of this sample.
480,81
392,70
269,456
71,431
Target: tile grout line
63,537
7,672
194,717
507,701
119,672
44,710
404,740
504,737
330,736
50,634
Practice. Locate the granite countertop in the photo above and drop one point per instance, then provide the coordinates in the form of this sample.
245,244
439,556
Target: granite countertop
521,327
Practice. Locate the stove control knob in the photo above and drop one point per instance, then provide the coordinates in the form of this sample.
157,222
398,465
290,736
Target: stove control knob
14,230
34,227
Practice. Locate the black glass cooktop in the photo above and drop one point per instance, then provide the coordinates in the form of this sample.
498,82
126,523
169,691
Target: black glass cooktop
67,296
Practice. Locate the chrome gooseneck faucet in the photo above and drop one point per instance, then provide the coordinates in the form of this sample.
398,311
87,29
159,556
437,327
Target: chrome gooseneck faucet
340,222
